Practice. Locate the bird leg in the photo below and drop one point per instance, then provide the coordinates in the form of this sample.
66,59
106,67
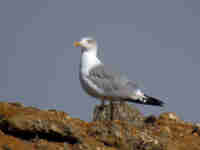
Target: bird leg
102,106
122,103
102,103
111,110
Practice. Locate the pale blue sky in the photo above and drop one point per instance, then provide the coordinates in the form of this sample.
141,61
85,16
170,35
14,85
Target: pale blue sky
153,42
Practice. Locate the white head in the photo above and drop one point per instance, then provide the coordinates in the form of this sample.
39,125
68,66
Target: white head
87,44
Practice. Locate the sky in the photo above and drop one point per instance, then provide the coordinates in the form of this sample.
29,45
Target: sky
155,43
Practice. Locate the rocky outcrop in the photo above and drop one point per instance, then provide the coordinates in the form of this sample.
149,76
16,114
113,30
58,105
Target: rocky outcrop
29,128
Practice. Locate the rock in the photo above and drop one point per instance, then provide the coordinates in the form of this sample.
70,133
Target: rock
150,119
122,111
34,129
170,116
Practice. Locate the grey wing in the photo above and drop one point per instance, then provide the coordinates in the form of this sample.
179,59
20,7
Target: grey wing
113,84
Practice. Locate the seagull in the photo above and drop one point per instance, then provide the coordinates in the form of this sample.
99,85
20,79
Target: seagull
100,82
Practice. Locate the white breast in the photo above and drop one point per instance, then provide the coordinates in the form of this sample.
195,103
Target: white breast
88,61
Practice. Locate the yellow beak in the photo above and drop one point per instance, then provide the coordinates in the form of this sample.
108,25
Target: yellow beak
77,44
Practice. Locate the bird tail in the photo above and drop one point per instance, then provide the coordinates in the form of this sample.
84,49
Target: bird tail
147,100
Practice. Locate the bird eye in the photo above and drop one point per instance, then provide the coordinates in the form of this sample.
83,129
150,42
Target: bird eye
90,41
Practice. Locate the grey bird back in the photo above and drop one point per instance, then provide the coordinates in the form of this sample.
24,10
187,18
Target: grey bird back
113,84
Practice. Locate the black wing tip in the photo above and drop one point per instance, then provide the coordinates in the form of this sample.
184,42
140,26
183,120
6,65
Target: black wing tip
148,101
154,101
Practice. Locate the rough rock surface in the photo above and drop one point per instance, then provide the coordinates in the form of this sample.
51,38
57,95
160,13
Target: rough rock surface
121,111
29,128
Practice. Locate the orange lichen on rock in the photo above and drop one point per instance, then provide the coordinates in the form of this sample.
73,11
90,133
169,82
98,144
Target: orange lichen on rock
31,128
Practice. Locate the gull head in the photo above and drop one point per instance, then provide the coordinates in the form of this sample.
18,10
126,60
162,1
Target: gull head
86,44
